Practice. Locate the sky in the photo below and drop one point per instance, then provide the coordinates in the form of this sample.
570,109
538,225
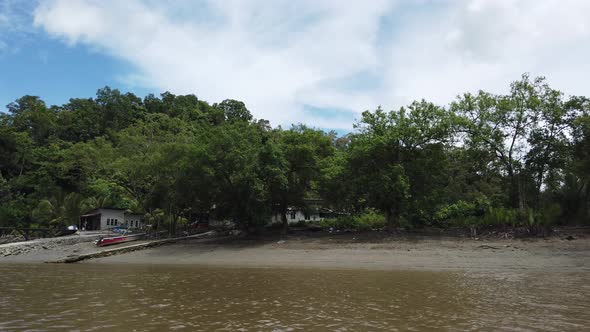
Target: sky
318,62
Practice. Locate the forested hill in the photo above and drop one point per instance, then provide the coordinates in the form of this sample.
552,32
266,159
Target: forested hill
516,159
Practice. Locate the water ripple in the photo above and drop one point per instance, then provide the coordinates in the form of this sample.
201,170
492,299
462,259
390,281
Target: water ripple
151,298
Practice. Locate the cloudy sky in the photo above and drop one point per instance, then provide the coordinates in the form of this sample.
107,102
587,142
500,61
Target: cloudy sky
310,61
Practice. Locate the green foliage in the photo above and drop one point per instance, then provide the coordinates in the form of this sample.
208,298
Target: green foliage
365,221
234,110
382,156
457,211
500,216
518,159
548,214
59,211
14,211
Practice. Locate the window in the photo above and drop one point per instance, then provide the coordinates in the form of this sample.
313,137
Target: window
293,214
306,216
137,223
116,222
108,222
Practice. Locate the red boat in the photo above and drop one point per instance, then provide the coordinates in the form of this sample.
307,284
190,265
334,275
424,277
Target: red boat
107,241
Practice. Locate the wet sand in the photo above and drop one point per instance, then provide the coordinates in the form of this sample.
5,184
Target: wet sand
370,251
356,251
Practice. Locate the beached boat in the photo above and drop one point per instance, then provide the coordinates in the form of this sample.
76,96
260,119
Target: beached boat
105,241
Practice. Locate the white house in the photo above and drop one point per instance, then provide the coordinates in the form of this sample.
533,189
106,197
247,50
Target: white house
314,211
105,218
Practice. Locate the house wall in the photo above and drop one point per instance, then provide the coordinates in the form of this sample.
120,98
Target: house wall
295,216
116,217
134,221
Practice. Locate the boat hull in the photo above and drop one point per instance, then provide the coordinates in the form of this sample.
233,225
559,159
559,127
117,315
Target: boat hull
107,241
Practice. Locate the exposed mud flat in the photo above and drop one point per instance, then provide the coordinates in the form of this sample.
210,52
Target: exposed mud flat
371,250
375,252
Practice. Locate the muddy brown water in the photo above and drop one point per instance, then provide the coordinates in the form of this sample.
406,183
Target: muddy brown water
87,297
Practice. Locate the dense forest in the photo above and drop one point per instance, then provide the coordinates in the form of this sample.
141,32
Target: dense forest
520,159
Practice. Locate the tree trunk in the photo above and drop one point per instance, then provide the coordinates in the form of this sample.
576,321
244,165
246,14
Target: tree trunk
392,218
521,198
284,221
514,190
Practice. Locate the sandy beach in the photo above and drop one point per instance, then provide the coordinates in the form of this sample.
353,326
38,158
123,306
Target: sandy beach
372,251
362,251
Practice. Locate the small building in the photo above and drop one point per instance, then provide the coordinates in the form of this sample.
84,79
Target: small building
105,218
133,220
313,211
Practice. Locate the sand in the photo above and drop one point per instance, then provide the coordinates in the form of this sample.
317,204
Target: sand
372,251
359,251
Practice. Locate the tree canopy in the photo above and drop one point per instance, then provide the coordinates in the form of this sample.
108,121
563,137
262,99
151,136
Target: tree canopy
518,158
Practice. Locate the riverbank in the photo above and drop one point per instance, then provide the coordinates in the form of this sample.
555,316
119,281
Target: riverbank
564,252
374,251
34,250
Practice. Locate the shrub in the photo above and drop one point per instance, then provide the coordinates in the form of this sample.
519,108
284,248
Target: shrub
462,213
369,219
499,216
458,210
548,214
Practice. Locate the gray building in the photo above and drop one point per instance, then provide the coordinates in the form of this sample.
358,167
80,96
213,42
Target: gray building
105,218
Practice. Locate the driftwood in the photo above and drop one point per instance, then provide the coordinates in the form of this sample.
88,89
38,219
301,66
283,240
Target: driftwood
485,246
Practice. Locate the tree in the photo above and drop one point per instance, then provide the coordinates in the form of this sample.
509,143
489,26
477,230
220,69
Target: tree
384,147
292,165
79,120
502,124
31,115
59,211
548,143
118,110
232,155
576,187
515,158
234,110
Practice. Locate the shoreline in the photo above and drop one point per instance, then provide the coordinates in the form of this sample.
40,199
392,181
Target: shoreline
360,251
355,252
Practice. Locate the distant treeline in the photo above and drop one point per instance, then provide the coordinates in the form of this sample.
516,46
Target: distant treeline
519,159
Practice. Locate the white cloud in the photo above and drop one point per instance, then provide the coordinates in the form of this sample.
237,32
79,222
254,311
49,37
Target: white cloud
486,44
15,25
280,55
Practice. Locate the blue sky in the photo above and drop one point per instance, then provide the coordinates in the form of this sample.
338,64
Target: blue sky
57,73
33,63
315,62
